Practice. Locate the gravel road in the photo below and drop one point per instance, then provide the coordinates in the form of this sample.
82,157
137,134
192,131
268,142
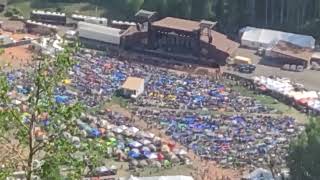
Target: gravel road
309,78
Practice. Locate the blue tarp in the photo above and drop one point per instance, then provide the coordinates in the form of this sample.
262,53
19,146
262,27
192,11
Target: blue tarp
61,99
26,120
133,154
216,94
10,77
45,122
121,145
180,89
239,120
95,133
85,127
135,144
198,99
189,119
23,90
118,76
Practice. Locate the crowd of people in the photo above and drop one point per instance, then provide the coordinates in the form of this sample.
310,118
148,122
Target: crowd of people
236,131
96,78
234,141
126,142
169,90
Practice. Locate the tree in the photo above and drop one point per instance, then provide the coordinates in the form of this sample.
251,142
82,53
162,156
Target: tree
304,157
134,5
8,13
39,125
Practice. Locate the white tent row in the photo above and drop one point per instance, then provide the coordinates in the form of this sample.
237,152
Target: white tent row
90,19
123,23
256,38
161,178
286,88
279,85
48,13
48,46
41,24
99,33
83,17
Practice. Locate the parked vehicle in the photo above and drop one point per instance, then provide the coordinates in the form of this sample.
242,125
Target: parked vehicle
300,68
261,52
246,68
315,66
286,67
293,67
237,60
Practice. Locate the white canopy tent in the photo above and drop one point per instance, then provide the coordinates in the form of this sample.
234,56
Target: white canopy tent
99,33
256,38
260,174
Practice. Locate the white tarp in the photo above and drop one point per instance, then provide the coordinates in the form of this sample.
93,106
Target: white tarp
99,33
314,104
162,178
256,38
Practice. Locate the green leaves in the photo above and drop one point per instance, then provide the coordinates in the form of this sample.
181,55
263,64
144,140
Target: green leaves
304,157
4,89
44,141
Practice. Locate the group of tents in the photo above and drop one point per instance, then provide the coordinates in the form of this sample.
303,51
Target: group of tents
295,94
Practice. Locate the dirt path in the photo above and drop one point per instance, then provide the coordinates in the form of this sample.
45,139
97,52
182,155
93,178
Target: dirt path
204,170
17,57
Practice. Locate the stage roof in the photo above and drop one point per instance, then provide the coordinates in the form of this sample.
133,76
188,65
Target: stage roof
178,24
